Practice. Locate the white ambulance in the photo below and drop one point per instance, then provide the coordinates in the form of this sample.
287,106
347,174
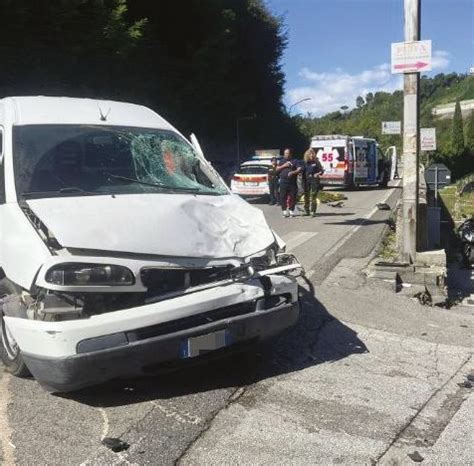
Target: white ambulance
351,161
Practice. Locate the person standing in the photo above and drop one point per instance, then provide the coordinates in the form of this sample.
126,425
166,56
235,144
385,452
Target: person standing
288,171
314,170
273,182
305,181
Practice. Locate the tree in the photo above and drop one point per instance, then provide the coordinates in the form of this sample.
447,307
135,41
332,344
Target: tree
369,98
360,101
457,133
470,134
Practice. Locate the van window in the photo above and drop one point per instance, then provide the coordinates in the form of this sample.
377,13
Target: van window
253,170
65,160
2,172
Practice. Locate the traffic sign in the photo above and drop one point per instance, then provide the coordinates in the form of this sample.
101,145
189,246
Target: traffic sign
391,127
411,57
427,139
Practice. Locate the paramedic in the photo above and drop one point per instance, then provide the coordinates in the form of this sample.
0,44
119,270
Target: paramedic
273,182
288,171
314,170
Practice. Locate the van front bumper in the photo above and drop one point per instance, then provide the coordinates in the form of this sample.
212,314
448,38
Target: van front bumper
69,355
143,357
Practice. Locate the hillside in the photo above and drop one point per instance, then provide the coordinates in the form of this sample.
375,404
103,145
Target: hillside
365,119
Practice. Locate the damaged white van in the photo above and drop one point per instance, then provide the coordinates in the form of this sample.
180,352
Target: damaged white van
121,248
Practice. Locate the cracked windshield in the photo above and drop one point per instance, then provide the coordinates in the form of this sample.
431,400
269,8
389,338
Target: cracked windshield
65,160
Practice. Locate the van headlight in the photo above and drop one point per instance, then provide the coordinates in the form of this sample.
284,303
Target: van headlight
77,274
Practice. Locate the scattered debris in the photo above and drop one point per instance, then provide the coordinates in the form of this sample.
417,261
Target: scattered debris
383,206
470,377
465,384
424,298
416,457
424,334
115,444
336,204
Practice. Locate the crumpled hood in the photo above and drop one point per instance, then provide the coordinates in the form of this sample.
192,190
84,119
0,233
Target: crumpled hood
178,225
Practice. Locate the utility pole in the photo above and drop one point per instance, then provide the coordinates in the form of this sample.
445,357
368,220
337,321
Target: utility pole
411,82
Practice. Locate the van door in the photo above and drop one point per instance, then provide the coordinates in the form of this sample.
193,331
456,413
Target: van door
360,161
372,162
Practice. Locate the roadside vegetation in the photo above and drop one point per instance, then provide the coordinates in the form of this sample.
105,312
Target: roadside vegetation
200,64
458,199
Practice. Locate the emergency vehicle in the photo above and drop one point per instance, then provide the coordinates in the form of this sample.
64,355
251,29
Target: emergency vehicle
351,161
252,177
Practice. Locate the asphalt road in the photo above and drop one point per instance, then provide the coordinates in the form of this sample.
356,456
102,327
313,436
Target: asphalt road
310,396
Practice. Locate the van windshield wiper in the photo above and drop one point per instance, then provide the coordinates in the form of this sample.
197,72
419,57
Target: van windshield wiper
133,180
68,190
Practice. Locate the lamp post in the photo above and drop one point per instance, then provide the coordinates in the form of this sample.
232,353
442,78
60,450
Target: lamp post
252,117
297,103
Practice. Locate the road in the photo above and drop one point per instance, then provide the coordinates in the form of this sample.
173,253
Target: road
359,379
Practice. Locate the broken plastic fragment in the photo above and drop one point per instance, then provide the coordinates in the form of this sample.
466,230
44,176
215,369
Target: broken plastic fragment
416,457
115,444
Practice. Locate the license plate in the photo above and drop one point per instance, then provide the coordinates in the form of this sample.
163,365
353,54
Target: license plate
250,183
199,345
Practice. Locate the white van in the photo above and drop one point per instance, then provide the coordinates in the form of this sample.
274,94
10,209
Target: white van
121,248
351,161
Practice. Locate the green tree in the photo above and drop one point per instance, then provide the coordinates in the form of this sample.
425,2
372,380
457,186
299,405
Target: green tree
360,101
470,134
457,133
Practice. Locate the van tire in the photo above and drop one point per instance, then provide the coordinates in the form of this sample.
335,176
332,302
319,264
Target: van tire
10,353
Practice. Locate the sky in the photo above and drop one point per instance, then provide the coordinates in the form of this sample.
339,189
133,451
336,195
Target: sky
339,49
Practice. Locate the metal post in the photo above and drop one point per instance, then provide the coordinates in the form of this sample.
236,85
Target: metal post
436,186
410,139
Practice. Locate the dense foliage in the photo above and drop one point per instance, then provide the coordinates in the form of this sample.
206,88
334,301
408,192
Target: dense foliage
201,64
370,110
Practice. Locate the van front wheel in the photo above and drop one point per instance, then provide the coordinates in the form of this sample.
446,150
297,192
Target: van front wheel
10,353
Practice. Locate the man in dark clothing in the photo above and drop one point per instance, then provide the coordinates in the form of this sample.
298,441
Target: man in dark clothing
288,171
273,182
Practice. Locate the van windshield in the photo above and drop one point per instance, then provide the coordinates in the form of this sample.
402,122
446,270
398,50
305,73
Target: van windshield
65,160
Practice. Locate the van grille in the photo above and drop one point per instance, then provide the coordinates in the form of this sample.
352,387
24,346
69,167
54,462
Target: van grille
192,321
166,280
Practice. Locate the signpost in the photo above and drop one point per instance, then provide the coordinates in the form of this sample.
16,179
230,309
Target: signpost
411,57
427,139
391,127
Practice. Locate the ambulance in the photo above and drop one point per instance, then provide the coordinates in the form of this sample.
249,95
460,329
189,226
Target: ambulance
351,161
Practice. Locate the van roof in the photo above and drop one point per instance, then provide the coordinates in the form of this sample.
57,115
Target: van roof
37,110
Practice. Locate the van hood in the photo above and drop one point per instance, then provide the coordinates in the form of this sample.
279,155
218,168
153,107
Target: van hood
178,225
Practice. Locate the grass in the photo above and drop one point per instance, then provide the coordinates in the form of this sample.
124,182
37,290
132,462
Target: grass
458,206
387,250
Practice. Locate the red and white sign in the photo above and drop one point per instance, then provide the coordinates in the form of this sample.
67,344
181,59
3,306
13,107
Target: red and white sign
427,139
411,57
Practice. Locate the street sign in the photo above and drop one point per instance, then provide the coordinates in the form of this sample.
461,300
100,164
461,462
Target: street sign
411,57
427,139
391,127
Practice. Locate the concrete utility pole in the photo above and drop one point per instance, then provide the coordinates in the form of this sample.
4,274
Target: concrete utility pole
411,82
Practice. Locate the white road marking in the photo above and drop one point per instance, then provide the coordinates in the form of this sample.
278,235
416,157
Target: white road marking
297,238
5,429
354,228
105,424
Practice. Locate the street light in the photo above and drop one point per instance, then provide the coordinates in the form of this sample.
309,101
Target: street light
252,117
297,103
